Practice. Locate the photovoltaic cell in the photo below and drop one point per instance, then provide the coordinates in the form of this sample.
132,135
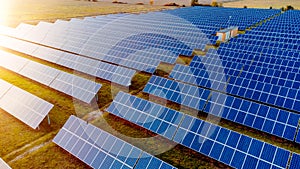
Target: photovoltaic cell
40,73
185,94
12,62
295,162
26,107
76,86
100,149
4,87
261,117
151,116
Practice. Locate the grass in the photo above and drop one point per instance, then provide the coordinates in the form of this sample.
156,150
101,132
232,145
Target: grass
33,11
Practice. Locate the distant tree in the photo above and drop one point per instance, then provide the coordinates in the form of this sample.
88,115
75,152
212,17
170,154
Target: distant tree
214,4
151,2
289,7
271,7
194,2
282,9
245,6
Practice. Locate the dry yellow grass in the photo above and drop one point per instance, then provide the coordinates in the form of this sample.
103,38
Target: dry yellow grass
32,11
263,3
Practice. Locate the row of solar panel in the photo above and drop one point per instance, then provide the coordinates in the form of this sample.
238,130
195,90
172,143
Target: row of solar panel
282,69
254,88
253,36
280,62
26,107
273,34
113,73
224,17
99,149
109,54
116,29
290,31
226,146
279,24
269,44
264,118
282,72
75,86
260,50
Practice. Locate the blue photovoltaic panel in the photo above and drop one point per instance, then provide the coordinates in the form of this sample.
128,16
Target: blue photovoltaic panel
264,118
295,162
191,75
151,162
76,86
261,117
229,147
264,92
4,165
26,107
151,116
185,94
100,149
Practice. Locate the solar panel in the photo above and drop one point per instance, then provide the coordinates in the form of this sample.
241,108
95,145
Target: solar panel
99,149
116,74
264,118
45,53
148,161
261,117
26,107
76,86
3,164
12,43
188,95
151,116
12,62
229,147
80,88
39,72
4,87
295,162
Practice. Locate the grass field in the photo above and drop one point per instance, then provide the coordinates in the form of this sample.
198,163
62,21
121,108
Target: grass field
31,11
23,147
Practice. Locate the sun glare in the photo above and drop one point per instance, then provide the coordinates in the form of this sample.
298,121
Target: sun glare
4,11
